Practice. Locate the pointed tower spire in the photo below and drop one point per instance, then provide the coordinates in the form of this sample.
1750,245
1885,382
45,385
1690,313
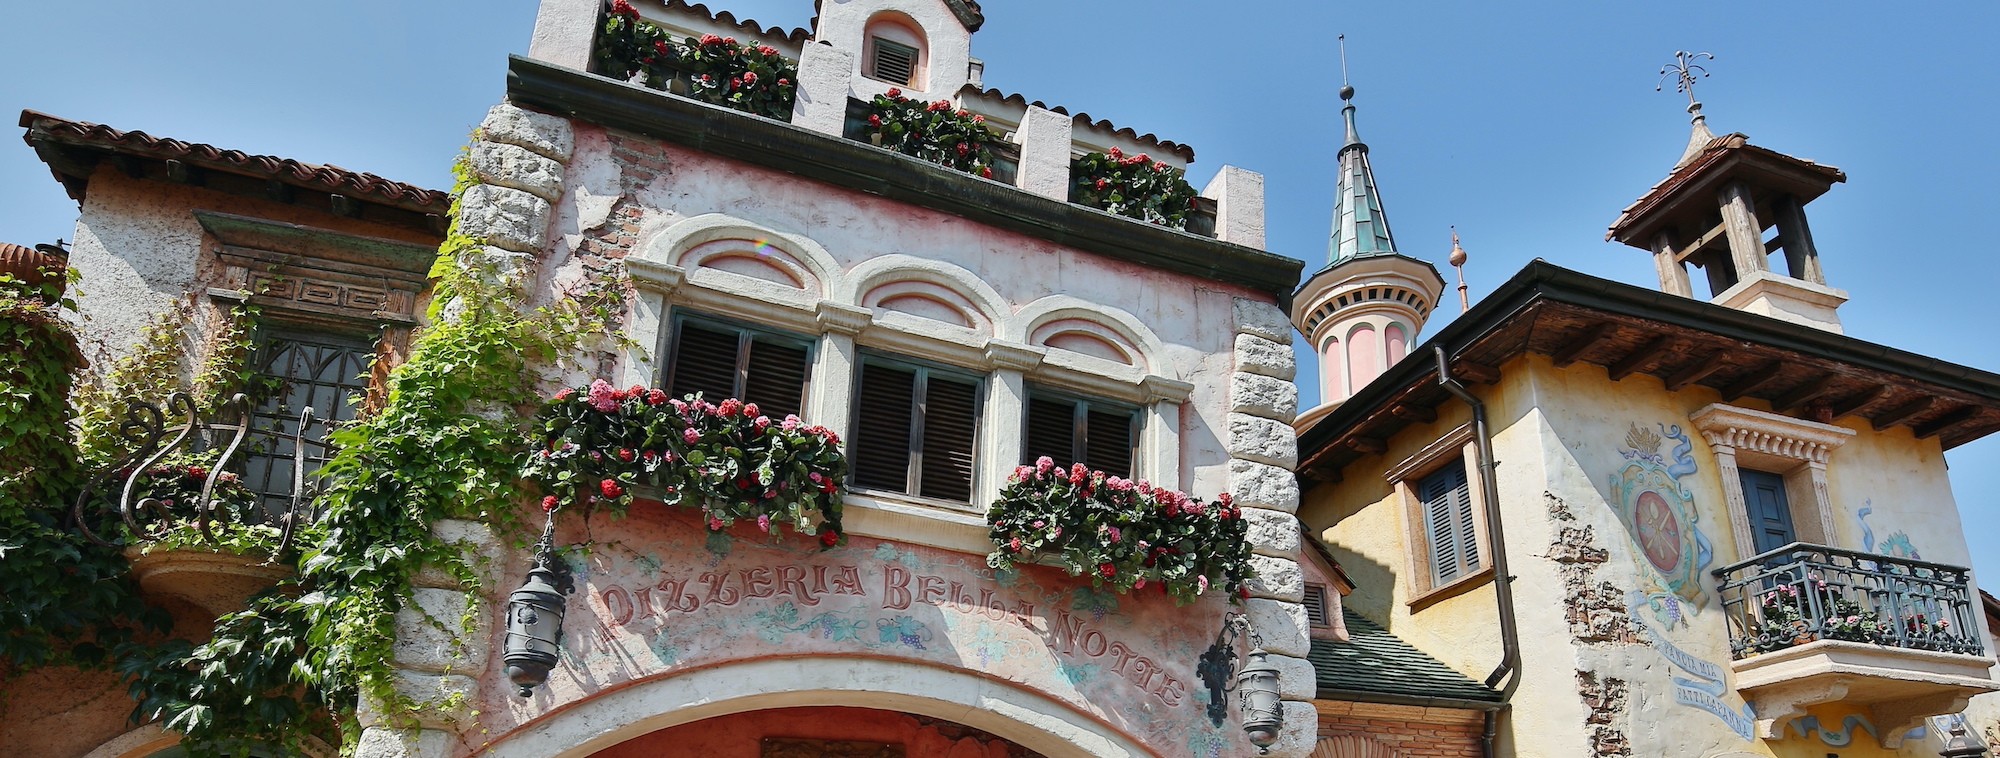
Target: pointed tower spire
1360,228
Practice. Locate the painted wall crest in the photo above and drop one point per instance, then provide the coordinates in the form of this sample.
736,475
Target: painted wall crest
1658,513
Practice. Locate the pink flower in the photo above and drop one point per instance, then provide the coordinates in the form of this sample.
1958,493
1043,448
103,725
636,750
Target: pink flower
1115,153
791,423
564,394
1077,473
626,454
749,77
895,93
764,522
1200,584
656,397
1225,498
623,8
549,503
1014,544
1039,523
690,435
729,407
1023,473
603,396
763,422
1116,535
714,524
1139,585
710,39
1044,465
766,50
750,409
679,405
1107,569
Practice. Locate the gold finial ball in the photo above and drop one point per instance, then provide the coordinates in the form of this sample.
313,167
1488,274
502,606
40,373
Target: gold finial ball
1347,92
1457,253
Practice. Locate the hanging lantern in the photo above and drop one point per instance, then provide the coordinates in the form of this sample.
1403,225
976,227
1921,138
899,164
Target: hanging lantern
1263,714
1961,744
535,616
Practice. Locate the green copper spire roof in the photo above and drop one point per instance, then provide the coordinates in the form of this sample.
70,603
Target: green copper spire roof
1360,228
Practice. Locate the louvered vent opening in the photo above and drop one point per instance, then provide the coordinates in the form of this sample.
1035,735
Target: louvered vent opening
776,377
1051,430
950,426
882,428
895,62
1108,440
704,362
1315,603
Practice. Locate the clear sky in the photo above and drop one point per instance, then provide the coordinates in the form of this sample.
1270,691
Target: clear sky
1528,127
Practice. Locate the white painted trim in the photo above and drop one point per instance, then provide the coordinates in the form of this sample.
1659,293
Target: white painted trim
884,270
1034,315
675,242
1027,718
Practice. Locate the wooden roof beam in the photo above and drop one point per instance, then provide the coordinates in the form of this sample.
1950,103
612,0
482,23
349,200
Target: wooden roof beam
1418,413
1583,342
1805,393
1367,444
1897,414
1629,364
1950,419
1856,403
1696,372
1752,381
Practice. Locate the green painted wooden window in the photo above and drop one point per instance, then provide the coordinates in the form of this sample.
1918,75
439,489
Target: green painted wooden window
1449,526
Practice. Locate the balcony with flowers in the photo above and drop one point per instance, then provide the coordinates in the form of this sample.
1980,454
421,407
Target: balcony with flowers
1811,625
690,53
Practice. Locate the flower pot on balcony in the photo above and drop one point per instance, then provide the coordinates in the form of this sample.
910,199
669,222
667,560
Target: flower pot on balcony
215,581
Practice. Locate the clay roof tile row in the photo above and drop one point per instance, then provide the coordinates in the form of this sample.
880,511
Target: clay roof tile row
749,26
317,176
1184,151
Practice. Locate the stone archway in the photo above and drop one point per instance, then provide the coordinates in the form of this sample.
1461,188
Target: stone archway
1029,719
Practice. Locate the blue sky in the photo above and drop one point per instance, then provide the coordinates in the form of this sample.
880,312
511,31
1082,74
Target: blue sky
1529,128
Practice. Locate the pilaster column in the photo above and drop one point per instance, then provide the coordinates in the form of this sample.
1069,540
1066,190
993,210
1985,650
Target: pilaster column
1000,444
825,74
1732,496
831,400
1746,236
1160,442
1673,273
654,285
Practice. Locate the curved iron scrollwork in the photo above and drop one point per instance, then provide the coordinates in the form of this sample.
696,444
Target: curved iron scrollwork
153,441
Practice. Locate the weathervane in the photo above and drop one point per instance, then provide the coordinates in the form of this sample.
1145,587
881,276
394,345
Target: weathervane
1684,69
1346,90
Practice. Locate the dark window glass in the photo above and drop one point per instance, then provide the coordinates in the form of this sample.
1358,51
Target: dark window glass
295,371
1096,433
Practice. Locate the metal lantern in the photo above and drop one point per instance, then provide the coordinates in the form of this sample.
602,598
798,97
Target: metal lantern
535,616
1256,684
1961,744
1263,715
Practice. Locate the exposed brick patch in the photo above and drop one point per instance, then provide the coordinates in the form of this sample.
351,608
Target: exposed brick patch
1608,700
1407,737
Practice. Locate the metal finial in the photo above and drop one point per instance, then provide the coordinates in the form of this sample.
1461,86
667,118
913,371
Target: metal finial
1685,69
1346,90
1458,263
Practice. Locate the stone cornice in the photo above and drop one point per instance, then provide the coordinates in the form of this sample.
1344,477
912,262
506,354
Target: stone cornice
1751,430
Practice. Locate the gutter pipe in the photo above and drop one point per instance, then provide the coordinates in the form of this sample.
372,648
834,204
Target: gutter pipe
1503,581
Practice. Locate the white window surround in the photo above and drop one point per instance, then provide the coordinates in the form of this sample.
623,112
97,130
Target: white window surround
1763,441
1454,447
830,305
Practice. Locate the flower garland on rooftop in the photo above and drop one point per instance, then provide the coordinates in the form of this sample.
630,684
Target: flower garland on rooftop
1124,534
1135,186
753,78
934,131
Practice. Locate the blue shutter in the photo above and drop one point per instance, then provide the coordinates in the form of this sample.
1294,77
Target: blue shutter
1468,531
1448,524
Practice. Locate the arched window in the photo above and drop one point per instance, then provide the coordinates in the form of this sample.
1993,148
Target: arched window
895,51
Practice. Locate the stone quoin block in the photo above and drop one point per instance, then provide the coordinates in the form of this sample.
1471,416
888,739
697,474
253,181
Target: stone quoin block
1277,578
548,136
443,701
1263,440
1300,732
1258,355
431,633
1263,485
385,742
1263,319
1260,395
1296,680
1282,624
505,217
1044,137
515,166
1273,533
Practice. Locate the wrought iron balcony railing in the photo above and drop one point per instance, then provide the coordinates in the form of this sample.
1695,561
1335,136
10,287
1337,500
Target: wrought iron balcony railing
184,475
1802,593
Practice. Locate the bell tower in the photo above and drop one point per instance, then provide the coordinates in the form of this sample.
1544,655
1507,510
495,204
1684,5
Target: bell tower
1727,208
1362,312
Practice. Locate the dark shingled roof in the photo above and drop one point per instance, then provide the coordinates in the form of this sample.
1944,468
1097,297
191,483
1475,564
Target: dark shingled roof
1376,666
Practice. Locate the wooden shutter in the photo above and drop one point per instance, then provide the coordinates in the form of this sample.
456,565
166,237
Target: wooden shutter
1108,440
705,362
1468,529
1051,430
1441,523
882,427
950,413
775,377
1315,603
895,62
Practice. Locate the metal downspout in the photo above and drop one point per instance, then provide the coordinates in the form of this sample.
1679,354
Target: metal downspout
1503,581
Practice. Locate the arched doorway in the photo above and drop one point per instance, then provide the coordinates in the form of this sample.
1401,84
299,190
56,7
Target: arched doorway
935,698
820,732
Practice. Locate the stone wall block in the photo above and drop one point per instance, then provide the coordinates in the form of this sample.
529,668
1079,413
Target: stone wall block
1277,579
515,166
1263,485
564,32
1296,679
442,701
1263,440
1263,319
1258,355
1282,624
481,551
1260,395
1044,137
1300,733
825,74
431,634
506,217
548,136
1272,532
385,742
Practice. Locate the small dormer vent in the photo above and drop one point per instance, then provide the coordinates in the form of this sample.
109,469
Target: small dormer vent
894,62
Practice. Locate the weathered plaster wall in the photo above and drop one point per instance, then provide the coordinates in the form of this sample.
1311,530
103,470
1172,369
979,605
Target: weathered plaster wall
1596,654
63,712
141,253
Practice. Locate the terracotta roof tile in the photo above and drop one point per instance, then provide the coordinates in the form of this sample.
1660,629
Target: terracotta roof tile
44,127
1185,152
749,26
1716,149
